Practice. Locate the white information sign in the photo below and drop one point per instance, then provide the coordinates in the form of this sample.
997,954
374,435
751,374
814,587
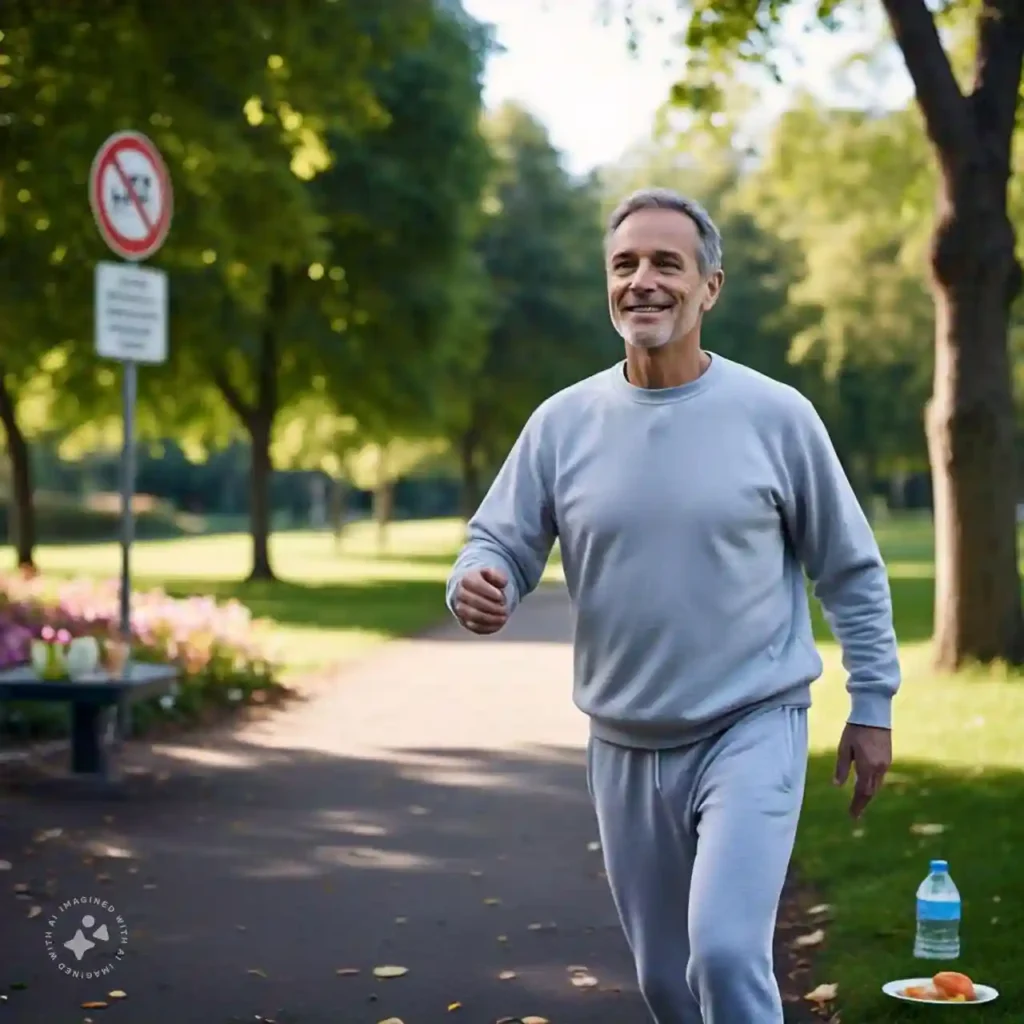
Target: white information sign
131,313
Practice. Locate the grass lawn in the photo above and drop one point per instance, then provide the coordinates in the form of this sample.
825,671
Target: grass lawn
959,758
959,768
330,604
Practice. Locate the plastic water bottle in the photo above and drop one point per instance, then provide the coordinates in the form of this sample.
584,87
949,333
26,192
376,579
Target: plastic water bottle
938,915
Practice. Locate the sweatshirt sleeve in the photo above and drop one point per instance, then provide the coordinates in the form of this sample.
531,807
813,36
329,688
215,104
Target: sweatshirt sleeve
837,547
514,527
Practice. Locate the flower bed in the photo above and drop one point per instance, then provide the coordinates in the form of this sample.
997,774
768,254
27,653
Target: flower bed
221,650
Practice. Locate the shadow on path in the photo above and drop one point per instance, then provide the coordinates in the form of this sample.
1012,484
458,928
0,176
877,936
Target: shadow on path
296,865
428,810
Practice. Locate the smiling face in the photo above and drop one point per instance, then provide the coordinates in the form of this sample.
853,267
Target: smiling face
656,293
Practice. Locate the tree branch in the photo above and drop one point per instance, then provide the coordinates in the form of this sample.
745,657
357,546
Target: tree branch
231,394
997,74
942,104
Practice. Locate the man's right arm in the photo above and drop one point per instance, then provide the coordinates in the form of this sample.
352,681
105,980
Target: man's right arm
514,528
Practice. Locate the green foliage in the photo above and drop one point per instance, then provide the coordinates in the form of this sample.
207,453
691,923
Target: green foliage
327,164
543,312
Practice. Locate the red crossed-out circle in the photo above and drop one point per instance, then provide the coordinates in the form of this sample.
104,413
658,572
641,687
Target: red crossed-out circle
157,227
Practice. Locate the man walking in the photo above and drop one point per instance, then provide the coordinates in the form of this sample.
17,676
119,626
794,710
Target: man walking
689,494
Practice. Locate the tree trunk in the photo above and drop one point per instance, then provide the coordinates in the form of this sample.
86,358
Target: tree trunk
970,427
22,511
383,509
260,474
969,420
258,416
339,508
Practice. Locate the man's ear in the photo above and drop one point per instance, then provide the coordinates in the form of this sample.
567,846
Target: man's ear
712,289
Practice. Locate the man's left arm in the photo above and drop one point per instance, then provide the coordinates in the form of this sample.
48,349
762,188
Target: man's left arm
837,547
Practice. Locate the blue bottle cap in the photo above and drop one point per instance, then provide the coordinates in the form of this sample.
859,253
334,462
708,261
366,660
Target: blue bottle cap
940,865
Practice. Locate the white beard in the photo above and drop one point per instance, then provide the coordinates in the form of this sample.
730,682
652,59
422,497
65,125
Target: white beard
646,337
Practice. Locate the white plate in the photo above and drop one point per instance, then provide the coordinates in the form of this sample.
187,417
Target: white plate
985,993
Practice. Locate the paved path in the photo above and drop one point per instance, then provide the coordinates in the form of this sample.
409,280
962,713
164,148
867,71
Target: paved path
378,823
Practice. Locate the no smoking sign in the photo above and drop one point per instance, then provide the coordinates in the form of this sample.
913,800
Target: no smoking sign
130,195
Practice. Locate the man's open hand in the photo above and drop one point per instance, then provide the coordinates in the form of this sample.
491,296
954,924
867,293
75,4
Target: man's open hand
869,751
480,603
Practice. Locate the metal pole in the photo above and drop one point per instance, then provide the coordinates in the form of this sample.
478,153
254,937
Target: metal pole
129,389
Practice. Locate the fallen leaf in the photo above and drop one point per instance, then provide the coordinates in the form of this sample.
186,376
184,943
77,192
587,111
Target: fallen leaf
117,994
507,975
583,980
346,972
534,1020
390,971
503,938
114,852
927,829
822,994
5,865
34,911
391,1020
815,938
452,1007
258,971
96,1004
549,926
492,901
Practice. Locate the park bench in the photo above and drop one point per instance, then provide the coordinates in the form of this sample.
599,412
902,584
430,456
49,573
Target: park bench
93,699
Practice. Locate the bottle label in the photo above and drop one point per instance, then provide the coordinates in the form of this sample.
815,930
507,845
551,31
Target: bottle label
938,910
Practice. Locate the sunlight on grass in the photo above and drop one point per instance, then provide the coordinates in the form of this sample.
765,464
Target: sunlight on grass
330,604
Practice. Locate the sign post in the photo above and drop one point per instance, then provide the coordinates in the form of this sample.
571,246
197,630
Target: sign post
131,199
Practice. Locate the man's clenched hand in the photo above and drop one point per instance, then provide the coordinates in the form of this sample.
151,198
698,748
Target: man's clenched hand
869,751
480,603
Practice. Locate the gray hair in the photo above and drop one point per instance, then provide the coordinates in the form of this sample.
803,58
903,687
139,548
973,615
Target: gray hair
709,251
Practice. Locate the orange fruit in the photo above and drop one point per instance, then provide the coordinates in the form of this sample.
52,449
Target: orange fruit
952,984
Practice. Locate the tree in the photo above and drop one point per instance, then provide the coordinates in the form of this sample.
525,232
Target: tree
540,308
850,189
975,277
239,98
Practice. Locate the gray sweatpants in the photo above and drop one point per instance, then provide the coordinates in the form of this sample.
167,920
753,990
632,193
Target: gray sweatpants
697,841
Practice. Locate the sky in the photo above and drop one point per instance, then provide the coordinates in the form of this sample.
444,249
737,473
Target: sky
575,73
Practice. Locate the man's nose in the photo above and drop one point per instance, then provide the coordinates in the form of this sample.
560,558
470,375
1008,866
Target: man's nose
643,278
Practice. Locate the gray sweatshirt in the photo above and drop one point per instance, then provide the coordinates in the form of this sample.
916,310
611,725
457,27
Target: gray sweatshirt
686,518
